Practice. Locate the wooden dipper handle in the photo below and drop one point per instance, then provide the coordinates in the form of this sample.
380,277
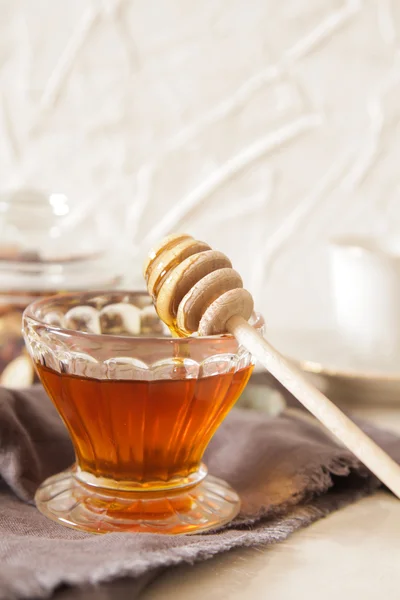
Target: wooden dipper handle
195,289
351,436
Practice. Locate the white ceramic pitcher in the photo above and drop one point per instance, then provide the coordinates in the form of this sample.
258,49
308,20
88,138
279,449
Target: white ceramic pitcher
366,290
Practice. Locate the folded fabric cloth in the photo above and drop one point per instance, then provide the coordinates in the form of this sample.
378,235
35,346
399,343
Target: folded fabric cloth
287,470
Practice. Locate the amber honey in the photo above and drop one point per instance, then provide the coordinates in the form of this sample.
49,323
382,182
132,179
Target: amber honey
142,431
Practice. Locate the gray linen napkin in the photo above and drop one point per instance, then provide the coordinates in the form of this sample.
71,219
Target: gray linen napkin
286,469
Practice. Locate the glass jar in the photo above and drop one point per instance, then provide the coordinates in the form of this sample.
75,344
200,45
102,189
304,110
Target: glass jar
48,244
158,401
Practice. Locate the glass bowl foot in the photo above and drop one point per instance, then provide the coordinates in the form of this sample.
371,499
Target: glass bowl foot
207,505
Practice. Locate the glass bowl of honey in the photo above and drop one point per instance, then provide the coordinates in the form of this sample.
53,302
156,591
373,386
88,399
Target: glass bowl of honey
140,407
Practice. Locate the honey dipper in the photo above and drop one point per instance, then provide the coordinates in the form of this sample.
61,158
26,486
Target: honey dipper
194,288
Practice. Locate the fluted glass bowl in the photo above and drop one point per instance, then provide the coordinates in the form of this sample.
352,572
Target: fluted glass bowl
140,407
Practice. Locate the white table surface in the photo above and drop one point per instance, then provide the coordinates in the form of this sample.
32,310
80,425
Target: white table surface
353,553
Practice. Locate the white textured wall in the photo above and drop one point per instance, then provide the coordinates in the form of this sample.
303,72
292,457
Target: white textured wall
264,127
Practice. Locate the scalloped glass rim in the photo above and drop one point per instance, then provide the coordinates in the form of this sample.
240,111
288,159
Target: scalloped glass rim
257,320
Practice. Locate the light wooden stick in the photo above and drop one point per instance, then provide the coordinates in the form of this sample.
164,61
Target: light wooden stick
369,453
195,289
